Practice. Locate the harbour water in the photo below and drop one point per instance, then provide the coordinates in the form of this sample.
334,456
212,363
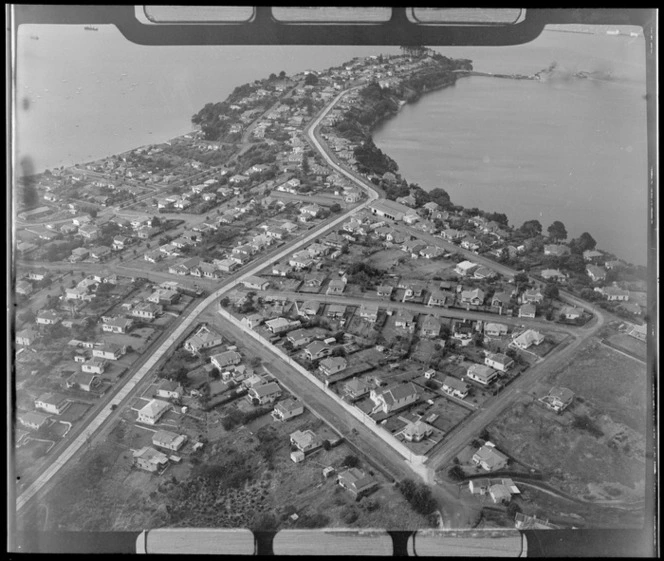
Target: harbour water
562,149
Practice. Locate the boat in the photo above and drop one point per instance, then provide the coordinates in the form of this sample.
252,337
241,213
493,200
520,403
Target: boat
613,31
91,28
34,37
633,34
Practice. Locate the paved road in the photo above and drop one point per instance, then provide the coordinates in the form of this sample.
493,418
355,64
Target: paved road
455,441
421,309
132,381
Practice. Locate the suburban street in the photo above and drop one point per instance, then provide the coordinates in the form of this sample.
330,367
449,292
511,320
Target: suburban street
455,512
132,381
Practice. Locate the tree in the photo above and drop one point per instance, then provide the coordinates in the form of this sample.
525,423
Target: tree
531,228
311,80
282,74
455,473
583,243
512,509
351,461
551,291
557,231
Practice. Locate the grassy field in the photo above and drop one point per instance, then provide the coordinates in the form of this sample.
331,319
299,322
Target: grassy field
595,450
628,344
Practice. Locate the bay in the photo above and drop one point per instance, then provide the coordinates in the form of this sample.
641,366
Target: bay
564,148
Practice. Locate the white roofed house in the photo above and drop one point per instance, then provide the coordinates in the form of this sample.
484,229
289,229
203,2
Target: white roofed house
153,411
117,325
169,389
499,361
281,325
317,350
369,313
357,482
203,338
287,409
265,393
149,459
417,431
394,397
52,403
226,359
527,311
482,374
465,268
335,287
489,458
405,320
333,365
495,329
454,386
169,440
474,297
110,351
305,441
94,366
147,310
527,339
613,293
570,312
558,399
256,283
84,381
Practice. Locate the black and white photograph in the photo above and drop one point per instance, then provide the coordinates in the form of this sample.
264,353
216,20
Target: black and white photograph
332,280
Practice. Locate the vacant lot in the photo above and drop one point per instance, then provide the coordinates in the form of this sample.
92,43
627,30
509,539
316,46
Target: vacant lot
576,451
613,383
628,344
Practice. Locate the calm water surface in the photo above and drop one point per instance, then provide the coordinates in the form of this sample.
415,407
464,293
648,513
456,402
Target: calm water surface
565,149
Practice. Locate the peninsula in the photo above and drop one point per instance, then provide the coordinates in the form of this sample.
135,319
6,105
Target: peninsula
262,324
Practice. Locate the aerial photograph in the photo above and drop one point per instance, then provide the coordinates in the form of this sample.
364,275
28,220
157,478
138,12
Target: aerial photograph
297,287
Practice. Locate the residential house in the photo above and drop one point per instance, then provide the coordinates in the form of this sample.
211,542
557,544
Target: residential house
226,359
169,440
356,482
117,325
314,280
264,394
553,275
527,311
596,273
592,256
474,297
369,313
558,399
500,300
332,365
153,411
33,419
613,293
335,287
27,337
527,339
164,296
532,296
52,403
430,326
570,312
384,291
312,210
149,459
147,310
484,273
557,250
110,351
309,308
84,381
23,287
298,338
440,298
481,374
356,388
394,397
470,243
287,409
305,441
417,431
204,338
280,325
256,283
500,493
454,386
465,268
170,389
489,458
336,311
499,361
450,234
47,317
405,320
495,329
281,269
94,366
317,350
